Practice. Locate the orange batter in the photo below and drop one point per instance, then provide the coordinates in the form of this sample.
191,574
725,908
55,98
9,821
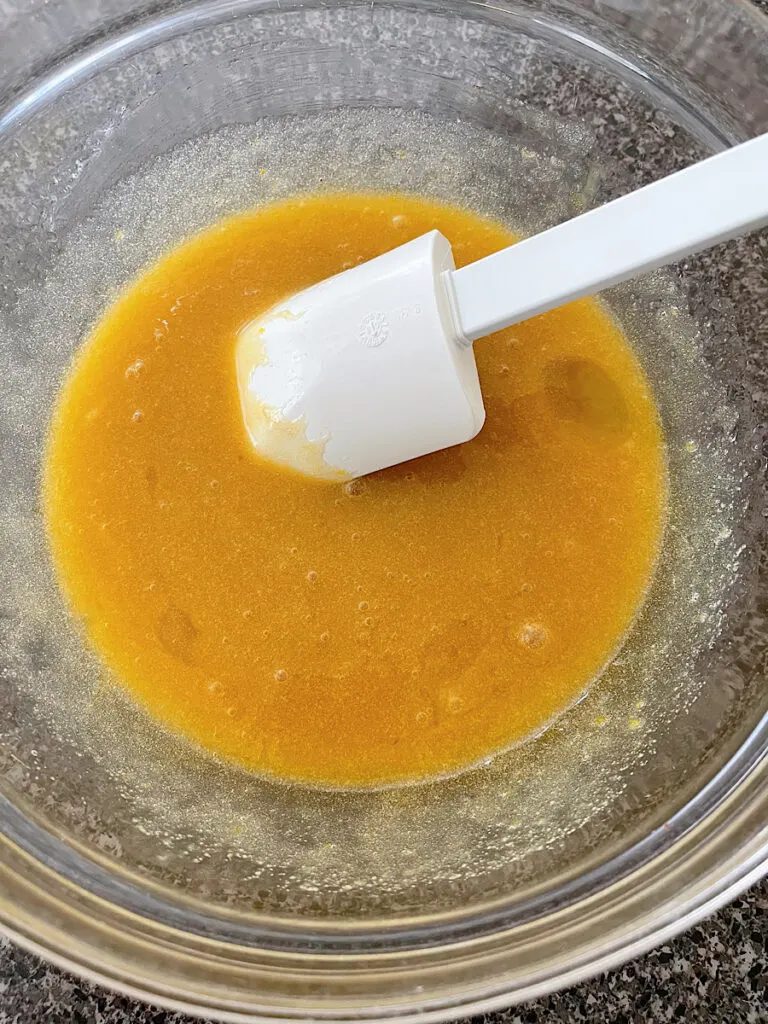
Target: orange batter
398,627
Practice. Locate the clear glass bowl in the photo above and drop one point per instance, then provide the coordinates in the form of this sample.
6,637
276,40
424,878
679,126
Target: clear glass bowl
129,857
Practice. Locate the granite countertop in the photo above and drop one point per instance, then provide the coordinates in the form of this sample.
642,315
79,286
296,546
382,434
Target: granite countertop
716,972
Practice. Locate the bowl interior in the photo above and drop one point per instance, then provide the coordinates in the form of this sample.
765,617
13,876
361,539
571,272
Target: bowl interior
516,112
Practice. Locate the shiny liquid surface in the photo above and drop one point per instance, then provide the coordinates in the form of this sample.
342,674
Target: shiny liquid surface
400,627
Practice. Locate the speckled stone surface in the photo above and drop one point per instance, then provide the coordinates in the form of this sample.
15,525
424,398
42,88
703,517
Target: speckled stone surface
717,972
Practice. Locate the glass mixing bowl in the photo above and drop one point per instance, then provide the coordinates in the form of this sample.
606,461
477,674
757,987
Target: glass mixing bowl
133,859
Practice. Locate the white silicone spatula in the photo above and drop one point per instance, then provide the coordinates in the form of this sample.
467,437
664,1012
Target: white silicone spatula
375,366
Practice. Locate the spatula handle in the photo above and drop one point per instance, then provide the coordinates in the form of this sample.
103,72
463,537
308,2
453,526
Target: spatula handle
710,202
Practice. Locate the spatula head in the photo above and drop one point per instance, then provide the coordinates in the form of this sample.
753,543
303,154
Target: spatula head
362,371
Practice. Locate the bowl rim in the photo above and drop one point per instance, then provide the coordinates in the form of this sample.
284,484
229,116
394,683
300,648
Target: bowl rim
708,864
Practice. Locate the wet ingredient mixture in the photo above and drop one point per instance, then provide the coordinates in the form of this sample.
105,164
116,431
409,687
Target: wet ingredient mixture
394,628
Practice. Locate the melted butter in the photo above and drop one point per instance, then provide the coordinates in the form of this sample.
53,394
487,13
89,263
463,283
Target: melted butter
348,633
